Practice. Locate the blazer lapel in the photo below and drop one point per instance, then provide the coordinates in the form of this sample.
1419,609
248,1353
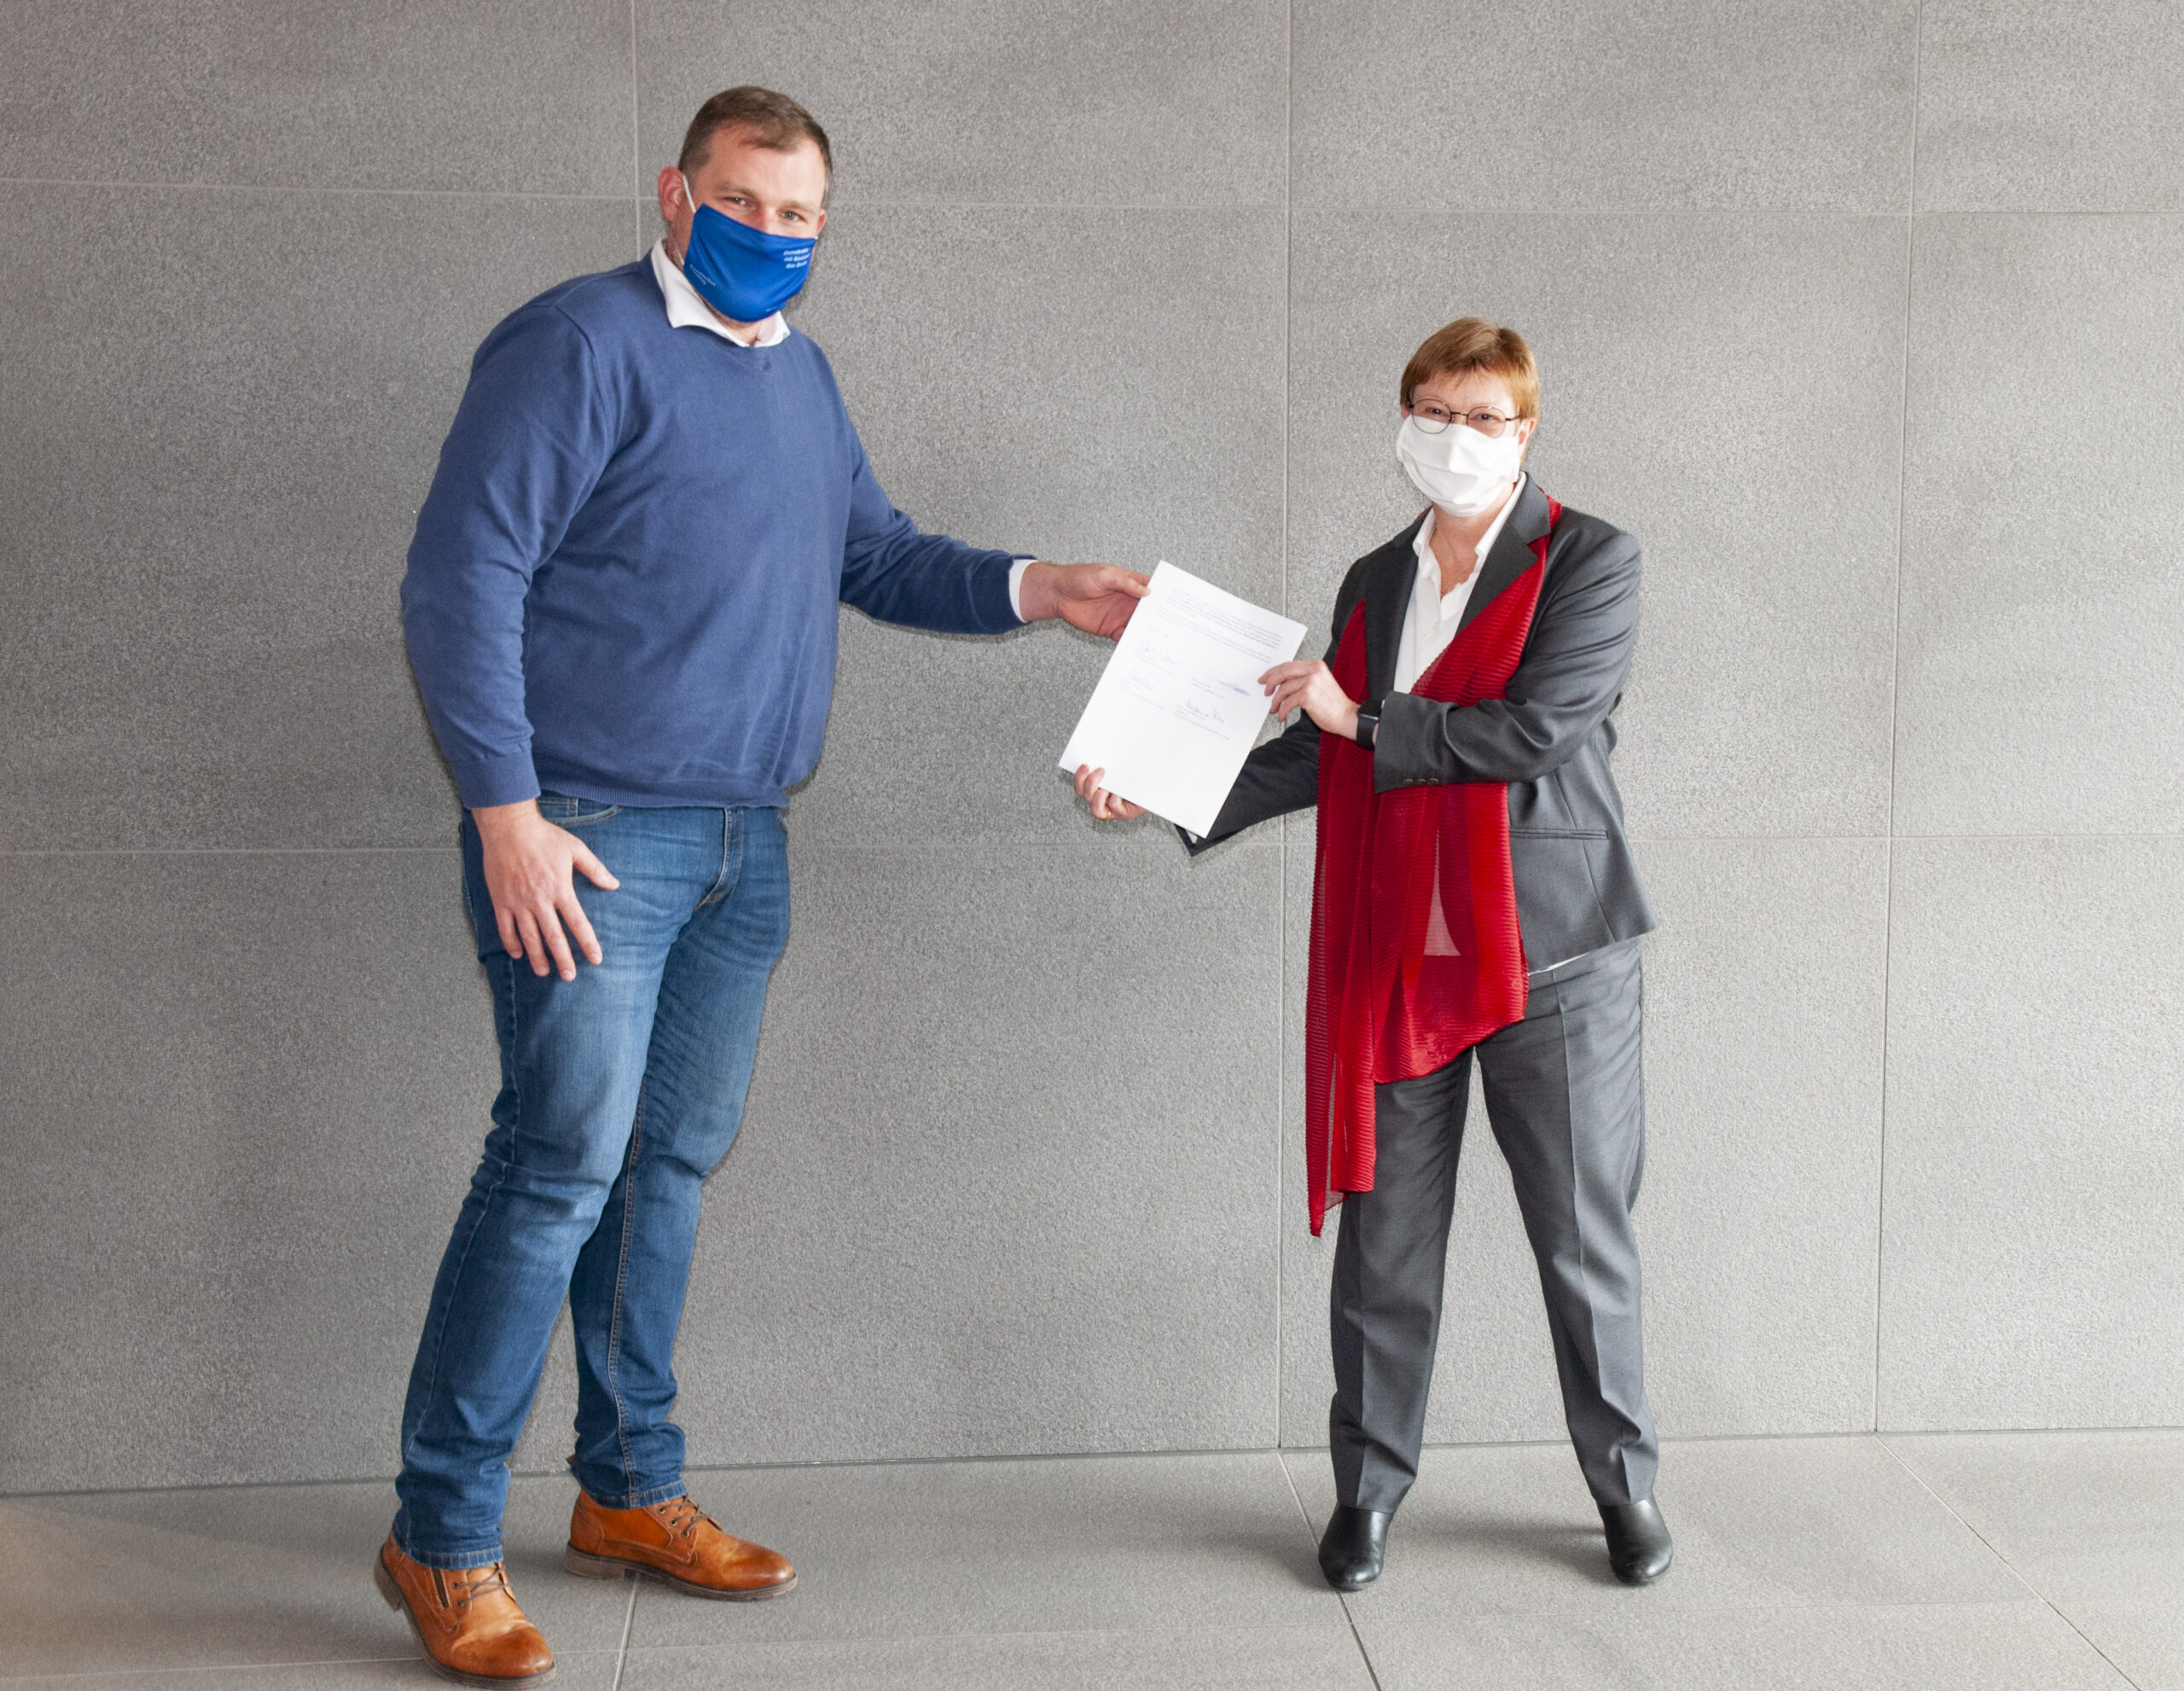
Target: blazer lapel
1387,602
1513,551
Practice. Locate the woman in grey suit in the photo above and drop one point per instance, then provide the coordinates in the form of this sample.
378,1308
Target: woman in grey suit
1473,896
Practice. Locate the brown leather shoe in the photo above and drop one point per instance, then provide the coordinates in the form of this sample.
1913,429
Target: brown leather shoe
675,1542
465,1620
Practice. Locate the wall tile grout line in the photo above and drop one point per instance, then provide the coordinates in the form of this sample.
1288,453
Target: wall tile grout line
312,188
637,206
1281,883
1895,701
560,1471
1012,852
228,850
639,196
955,847
1421,208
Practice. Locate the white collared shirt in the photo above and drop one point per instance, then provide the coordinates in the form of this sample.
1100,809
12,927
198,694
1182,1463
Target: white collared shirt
687,309
1431,622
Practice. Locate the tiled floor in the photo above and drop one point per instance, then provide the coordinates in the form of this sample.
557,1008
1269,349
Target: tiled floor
2045,1561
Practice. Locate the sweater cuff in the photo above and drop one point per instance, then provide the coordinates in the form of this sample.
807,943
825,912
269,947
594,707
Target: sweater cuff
993,595
505,779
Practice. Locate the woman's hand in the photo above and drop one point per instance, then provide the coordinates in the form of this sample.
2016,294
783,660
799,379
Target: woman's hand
1105,805
1312,688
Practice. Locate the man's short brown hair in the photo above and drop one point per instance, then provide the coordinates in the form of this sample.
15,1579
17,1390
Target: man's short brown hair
1470,344
770,119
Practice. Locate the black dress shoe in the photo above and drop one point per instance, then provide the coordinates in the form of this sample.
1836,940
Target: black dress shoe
1353,1546
1639,1548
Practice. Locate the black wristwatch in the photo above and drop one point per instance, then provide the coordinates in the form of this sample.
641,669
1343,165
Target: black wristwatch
1369,724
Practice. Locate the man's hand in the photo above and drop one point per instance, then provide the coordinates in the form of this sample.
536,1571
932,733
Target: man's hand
1105,805
1097,598
529,865
1312,688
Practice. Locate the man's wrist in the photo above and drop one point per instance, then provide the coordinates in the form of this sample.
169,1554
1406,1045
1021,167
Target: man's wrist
1030,584
490,818
1017,571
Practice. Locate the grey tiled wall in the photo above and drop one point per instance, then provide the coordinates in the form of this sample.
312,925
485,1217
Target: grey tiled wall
1862,315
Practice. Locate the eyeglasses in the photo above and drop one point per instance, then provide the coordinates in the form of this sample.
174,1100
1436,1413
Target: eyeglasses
1434,418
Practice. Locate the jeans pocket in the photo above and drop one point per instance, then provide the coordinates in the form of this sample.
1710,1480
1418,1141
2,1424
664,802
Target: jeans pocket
565,812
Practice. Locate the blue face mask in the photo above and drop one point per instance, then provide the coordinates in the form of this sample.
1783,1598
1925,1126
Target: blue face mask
743,273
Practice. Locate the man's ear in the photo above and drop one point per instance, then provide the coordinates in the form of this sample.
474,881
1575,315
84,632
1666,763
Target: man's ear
673,192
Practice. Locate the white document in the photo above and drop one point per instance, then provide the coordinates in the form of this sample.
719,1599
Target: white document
1179,706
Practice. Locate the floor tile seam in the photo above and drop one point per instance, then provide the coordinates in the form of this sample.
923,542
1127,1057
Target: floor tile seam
629,1614
1296,1496
1493,1621
183,1673
1992,1549
835,1640
63,1678
1349,1615
1667,1606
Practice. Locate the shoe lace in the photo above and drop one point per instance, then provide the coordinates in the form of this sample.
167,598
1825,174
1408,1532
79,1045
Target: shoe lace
464,1589
680,1516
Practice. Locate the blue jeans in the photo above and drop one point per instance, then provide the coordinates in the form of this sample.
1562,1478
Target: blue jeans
620,1091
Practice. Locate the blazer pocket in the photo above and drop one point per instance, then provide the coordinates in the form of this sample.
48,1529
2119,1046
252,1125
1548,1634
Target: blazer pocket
1558,874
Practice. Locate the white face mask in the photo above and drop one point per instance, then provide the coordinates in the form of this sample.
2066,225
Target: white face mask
1459,469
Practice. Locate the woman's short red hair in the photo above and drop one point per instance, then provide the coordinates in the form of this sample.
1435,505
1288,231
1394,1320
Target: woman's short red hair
1470,344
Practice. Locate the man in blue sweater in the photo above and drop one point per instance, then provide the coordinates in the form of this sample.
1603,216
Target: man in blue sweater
620,607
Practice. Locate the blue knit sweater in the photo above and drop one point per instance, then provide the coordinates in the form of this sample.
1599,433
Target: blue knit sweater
623,580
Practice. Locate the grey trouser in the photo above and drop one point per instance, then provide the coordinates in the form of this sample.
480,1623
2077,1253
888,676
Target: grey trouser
1564,1096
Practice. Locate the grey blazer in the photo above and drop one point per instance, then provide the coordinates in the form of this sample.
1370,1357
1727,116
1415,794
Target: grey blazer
1550,738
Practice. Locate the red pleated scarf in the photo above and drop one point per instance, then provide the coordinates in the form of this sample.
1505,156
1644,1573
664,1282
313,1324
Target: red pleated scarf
1415,955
